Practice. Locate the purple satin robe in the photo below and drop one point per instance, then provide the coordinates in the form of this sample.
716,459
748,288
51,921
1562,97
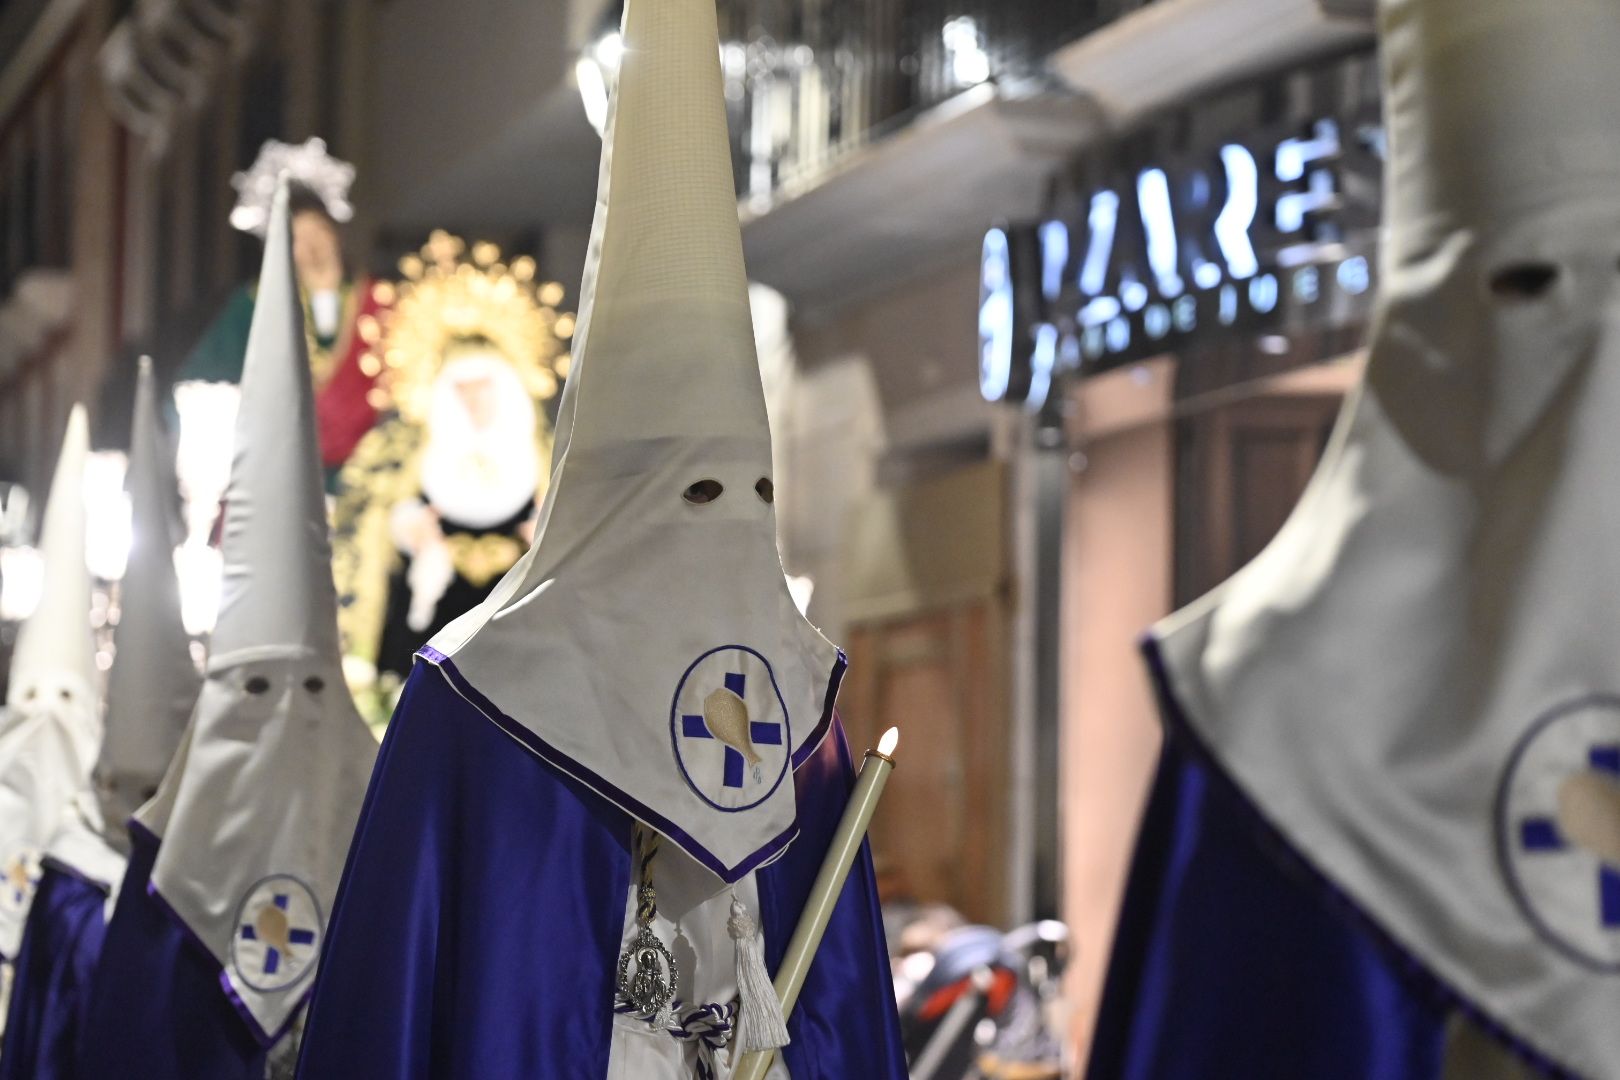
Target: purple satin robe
477,928
157,1010
61,944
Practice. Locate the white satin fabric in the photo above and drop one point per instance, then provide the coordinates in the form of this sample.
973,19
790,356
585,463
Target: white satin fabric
1421,671
691,922
81,844
45,759
256,812
636,603
52,727
154,682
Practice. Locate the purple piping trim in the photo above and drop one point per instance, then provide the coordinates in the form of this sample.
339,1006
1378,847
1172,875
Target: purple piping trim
634,807
266,1039
1180,727
805,752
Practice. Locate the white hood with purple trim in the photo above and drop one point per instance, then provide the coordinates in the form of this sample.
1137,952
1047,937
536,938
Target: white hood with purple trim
256,812
648,644
1418,682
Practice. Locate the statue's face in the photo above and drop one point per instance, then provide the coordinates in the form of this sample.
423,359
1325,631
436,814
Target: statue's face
478,397
317,251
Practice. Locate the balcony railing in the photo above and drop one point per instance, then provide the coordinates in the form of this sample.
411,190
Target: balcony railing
810,81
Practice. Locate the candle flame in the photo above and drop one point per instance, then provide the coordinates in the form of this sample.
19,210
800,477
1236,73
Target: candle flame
890,740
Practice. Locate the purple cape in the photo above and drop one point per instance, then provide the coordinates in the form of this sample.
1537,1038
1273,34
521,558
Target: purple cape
1234,957
477,929
61,942
157,999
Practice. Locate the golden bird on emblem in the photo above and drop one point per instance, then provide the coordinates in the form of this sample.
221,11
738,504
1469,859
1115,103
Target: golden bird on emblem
725,714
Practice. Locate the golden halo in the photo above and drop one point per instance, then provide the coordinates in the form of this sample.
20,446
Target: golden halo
450,294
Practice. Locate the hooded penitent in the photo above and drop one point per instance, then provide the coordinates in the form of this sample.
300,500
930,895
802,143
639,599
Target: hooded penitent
151,690
153,684
254,816
648,653
1416,683
53,726
653,599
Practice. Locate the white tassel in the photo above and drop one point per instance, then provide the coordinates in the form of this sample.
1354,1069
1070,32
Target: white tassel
760,1025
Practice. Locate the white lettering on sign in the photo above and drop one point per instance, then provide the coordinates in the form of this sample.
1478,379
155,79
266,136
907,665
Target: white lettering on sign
995,316
1054,258
1159,219
1102,221
1237,216
1295,159
1232,237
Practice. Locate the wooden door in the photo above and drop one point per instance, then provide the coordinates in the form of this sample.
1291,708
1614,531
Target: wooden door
1240,470
940,831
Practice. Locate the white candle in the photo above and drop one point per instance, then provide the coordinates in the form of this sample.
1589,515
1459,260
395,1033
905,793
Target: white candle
818,909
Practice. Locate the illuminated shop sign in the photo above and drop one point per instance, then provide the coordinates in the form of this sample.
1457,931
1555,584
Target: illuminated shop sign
1265,238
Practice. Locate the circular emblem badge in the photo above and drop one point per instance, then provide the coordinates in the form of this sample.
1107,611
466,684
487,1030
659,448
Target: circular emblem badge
19,877
1558,829
730,728
278,934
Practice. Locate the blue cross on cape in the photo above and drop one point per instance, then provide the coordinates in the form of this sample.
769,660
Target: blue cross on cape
763,733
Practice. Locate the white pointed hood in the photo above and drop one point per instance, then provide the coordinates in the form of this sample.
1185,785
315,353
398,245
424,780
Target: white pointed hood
1492,177
53,729
256,812
648,644
55,643
154,682
277,594
1417,681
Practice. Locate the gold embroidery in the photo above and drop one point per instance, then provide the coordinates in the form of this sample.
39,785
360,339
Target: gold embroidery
482,559
448,297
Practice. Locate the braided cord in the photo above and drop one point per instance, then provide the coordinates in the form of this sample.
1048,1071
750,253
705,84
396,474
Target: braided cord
709,1026
646,846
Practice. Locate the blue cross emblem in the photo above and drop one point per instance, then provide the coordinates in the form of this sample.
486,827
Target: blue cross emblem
1539,834
730,729
22,878
19,888
763,733
272,952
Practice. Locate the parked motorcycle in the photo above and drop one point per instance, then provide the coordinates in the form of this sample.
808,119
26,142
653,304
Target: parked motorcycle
981,1004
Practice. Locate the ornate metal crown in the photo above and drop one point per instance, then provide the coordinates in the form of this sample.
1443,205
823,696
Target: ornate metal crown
306,164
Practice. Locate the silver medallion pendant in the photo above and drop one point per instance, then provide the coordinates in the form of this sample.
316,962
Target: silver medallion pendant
647,977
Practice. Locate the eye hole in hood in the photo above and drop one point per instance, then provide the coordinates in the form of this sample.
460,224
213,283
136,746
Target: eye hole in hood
1523,282
703,492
